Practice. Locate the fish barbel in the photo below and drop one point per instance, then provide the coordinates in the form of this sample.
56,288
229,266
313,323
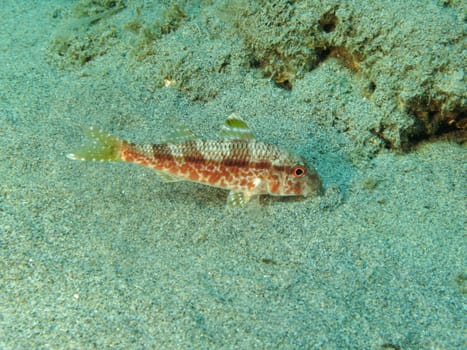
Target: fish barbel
237,162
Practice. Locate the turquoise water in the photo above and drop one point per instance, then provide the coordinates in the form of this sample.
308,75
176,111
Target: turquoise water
104,255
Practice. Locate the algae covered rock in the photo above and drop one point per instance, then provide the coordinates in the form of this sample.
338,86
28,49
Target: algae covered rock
406,58
387,74
87,32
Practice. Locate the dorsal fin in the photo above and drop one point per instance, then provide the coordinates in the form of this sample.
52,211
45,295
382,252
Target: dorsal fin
236,129
182,134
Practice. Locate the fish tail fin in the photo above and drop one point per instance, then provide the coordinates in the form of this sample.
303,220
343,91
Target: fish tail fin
100,146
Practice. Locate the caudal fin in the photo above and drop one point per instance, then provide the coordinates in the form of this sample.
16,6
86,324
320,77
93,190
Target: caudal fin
100,146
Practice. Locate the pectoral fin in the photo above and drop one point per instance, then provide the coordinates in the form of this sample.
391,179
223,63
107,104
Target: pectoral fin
239,199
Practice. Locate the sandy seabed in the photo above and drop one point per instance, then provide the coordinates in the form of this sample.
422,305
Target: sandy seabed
104,256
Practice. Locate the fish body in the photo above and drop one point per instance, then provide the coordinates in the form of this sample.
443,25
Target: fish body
237,162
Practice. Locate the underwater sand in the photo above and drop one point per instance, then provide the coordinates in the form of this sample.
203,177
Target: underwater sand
103,255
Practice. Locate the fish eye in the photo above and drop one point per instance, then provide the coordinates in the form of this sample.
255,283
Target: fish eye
298,171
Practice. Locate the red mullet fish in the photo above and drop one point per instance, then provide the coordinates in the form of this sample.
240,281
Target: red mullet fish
237,162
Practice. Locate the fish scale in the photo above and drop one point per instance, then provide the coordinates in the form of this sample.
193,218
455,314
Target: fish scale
233,164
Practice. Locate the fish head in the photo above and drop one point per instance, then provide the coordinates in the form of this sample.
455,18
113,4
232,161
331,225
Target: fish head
299,179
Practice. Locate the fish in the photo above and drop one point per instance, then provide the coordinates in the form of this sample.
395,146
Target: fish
236,162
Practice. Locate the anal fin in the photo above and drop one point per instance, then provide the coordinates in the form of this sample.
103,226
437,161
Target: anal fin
168,177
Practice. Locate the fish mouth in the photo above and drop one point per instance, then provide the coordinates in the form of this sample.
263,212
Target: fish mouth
314,187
